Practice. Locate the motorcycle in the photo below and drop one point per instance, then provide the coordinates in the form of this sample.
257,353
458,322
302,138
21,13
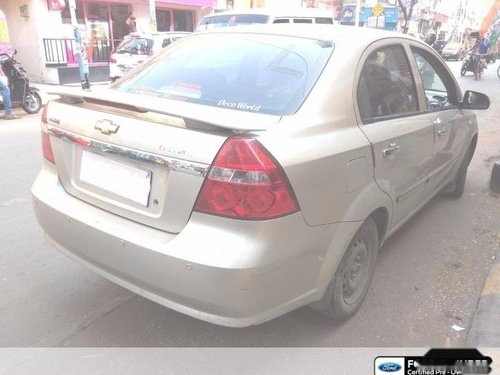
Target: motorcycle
19,84
475,63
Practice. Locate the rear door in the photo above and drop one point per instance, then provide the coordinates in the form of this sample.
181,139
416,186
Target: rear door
402,136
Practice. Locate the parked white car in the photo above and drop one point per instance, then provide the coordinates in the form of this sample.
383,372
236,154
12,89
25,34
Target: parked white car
137,48
261,16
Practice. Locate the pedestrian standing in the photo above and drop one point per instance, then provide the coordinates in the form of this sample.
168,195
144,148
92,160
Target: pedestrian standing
5,92
131,23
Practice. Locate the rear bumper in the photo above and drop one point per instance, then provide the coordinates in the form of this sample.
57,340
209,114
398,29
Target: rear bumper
226,272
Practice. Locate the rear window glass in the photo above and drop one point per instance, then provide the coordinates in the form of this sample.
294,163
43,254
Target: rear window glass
254,73
135,46
214,22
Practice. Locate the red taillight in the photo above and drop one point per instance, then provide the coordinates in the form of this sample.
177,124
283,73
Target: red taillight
44,114
246,182
112,59
46,147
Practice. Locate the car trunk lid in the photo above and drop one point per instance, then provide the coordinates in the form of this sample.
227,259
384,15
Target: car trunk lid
128,157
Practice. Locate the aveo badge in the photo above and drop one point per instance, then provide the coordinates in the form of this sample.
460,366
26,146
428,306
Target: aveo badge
389,365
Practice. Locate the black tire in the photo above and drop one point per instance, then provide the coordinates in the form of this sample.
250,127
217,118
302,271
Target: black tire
351,281
458,185
477,70
32,102
463,70
498,72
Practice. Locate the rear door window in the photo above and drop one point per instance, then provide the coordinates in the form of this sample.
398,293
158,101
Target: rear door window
386,87
246,72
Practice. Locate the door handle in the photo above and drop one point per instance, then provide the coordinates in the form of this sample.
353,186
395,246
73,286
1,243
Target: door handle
391,150
442,132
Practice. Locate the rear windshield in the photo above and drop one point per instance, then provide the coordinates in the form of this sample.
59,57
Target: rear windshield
255,73
214,22
135,46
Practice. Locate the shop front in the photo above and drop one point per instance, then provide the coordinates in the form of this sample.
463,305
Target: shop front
105,25
51,51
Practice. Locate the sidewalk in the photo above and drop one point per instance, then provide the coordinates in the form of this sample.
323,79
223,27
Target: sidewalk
485,329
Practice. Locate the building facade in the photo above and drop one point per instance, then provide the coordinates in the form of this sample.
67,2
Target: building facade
44,36
332,5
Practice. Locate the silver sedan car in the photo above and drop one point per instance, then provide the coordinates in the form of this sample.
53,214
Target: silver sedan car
244,173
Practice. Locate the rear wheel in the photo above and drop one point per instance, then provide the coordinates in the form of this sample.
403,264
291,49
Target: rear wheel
463,70
352,279
32,102
498,72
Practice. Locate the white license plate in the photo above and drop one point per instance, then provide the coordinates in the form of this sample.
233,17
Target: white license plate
118,178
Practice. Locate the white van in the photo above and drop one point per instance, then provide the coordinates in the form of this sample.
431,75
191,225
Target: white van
260,15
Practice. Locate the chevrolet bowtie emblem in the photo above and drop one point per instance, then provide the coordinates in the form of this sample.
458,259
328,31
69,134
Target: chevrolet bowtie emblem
106,127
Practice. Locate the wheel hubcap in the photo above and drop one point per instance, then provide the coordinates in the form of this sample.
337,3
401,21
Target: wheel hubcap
356,272
31,102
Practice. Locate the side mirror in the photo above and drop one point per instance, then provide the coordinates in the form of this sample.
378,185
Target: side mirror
474,100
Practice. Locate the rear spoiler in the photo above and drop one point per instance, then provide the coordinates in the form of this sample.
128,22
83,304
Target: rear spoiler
182,114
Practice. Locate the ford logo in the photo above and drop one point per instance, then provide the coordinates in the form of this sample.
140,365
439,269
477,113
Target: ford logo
389,367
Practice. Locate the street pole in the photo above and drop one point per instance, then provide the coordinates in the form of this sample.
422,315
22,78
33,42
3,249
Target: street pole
83,66
152,16
358,11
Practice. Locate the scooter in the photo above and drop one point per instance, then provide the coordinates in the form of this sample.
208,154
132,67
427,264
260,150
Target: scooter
19,85
474,63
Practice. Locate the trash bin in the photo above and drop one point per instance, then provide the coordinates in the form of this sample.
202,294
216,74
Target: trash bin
495,178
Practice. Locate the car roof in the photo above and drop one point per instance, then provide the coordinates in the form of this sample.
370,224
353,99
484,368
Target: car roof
157,34
335,33
292,12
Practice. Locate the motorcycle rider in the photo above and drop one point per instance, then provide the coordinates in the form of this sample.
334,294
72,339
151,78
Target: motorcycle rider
475,54
5,92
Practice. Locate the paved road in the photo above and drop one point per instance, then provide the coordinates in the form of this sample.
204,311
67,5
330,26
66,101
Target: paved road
428,279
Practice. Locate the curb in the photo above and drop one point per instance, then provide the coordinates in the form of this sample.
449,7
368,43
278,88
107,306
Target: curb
485,328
